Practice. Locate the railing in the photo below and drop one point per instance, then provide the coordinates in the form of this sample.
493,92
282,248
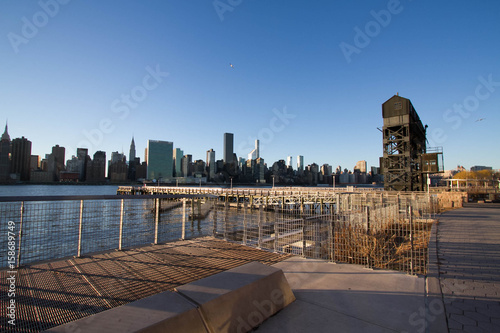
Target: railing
378,230
41,228
385,231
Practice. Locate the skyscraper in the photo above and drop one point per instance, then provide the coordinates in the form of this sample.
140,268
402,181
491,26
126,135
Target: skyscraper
57,158
289,161
178,153
131,155
260,170
83,156
187,162
117,157
211,164
96,169
117,167
34,162
300,163
254,154
5,149
360,167
132,161
20,158
228,147
160,159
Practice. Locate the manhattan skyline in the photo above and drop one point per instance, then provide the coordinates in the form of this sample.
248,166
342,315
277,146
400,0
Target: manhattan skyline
304,79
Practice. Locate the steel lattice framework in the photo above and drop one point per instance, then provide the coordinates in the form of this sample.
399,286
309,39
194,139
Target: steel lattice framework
404,143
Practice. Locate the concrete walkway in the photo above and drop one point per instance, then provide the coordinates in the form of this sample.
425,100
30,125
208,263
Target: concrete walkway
348,298
468,248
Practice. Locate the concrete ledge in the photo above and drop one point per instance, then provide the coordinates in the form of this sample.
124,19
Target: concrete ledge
164,312
241,298
236,300
435,310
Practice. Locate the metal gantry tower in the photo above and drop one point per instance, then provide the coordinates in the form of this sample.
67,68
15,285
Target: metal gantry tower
405,164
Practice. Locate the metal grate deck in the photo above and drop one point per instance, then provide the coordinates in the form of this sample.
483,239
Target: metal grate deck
53,293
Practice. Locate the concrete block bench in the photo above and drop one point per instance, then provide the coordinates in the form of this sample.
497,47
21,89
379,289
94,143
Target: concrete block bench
236,300
241,298
164,312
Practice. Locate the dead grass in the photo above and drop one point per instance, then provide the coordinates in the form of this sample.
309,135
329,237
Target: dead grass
387,247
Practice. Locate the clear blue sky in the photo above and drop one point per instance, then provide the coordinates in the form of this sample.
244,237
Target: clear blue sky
305,80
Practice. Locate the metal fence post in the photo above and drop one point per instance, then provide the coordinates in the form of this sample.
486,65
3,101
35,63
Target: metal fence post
304,237
245,223
330,239
157,219
259,222
20,235
214,228
184,204
410,212
276,235
121,226
397,206
80,229
367,213
226,217
337,204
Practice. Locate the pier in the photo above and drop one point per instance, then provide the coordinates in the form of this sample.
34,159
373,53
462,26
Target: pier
301,198
130,241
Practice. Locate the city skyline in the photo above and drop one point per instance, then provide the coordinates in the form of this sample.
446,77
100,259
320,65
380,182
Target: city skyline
227,144
176,154
161,164
307,80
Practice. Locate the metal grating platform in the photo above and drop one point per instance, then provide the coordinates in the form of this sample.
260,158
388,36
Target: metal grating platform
53,293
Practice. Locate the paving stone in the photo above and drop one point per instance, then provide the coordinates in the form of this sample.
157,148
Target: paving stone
488,327
448,300
491,313
454,310
495,310
476,316
490,290
463,320
452,324
470,265
466,306
473,329
472,294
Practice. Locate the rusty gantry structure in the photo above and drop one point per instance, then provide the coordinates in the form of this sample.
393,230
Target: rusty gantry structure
407,162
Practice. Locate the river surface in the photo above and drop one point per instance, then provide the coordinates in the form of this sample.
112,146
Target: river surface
55,229
50,190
